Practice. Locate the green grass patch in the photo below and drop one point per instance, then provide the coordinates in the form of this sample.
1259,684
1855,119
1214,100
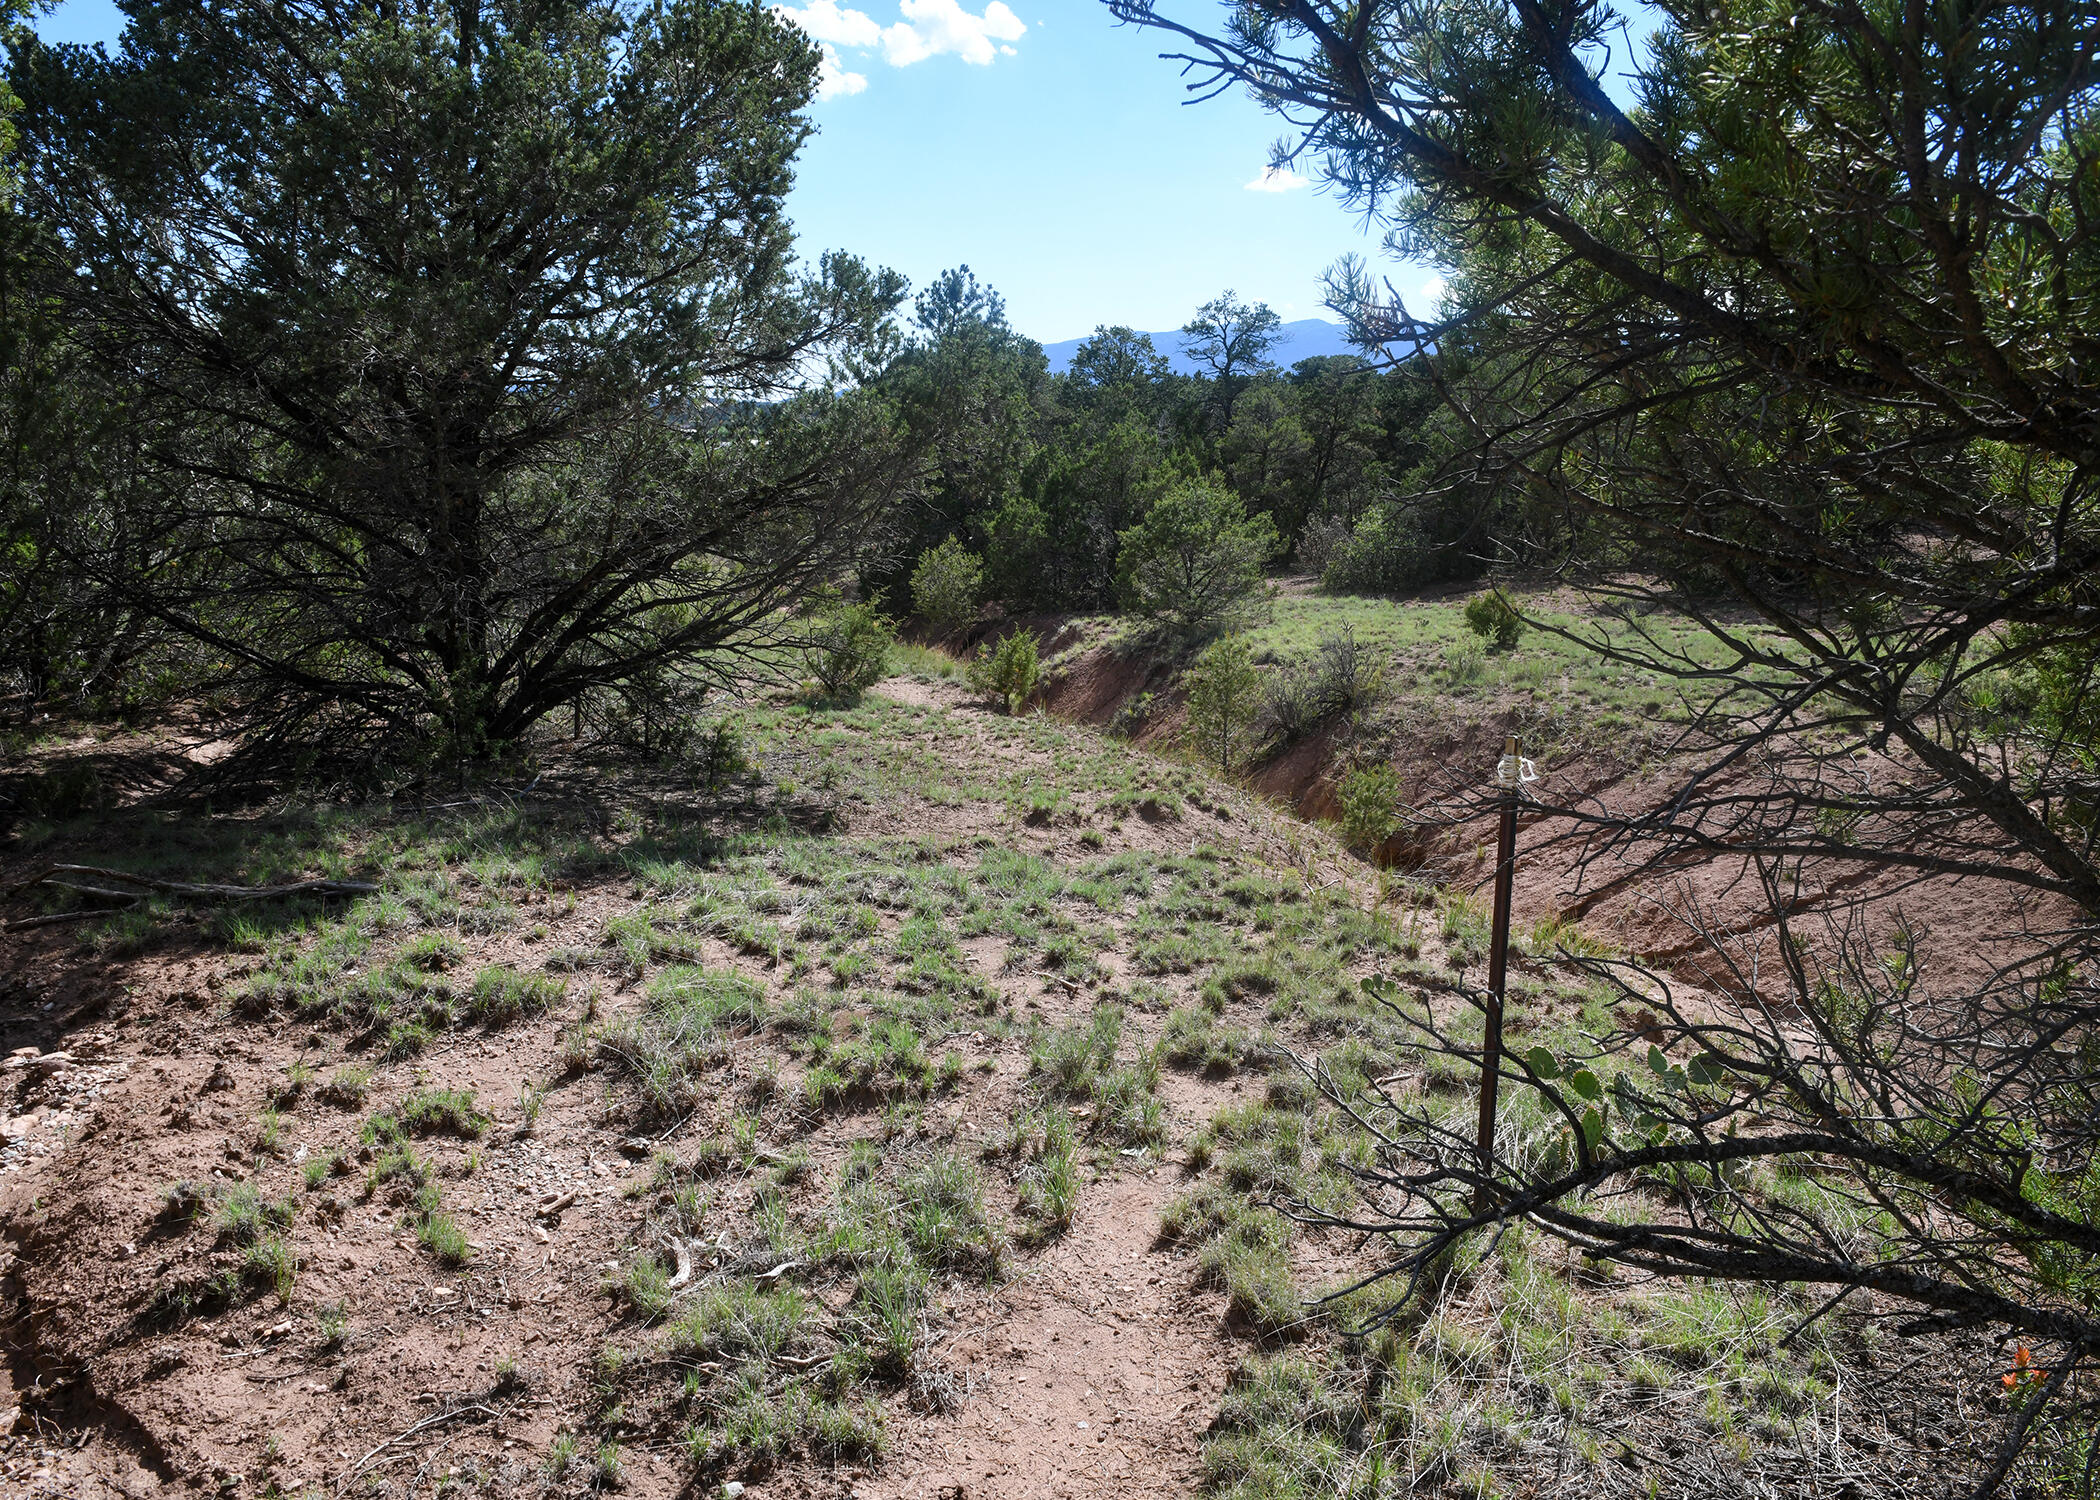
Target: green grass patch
429,1111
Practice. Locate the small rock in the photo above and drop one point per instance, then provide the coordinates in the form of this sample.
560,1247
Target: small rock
731,1489
540,1234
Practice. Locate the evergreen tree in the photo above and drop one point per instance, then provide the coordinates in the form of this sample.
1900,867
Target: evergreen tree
441,326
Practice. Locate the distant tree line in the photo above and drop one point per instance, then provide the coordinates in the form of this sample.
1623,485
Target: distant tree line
1045,478
399,381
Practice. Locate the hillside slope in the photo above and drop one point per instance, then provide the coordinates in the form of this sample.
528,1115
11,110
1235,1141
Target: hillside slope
909,1116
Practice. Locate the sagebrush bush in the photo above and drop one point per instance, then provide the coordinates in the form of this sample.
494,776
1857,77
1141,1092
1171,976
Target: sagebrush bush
1291,701
1348,675
1007,673
1342,676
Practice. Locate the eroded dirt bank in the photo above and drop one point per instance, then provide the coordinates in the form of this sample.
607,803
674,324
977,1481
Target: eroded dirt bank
1706,920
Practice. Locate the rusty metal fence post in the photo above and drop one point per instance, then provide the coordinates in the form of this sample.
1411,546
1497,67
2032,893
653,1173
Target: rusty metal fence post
1509,774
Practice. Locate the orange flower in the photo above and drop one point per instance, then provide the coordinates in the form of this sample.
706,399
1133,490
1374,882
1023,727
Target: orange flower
2024,1371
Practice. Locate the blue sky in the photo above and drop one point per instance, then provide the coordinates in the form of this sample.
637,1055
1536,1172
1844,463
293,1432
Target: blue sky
1043,146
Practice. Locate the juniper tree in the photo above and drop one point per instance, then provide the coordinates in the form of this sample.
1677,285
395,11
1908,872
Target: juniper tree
454,333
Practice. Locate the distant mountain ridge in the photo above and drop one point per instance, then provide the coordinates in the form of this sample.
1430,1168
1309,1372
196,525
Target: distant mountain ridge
1307,338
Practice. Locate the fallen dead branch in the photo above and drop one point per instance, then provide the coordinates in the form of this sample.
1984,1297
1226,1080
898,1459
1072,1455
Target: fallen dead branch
137,887
452,1415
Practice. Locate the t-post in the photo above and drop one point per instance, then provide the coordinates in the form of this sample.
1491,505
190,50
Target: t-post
1509,775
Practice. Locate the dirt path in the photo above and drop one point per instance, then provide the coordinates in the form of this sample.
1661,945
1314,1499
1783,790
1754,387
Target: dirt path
1095,1370
1092,1374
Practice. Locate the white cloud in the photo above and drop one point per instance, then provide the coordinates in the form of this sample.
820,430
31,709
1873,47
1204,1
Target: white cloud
833,80
926,28
1432,291
826,22
1278,180
932,27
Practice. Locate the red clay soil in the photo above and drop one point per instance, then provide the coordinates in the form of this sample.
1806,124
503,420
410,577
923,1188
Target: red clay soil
1090,1376
1098,685
1707,920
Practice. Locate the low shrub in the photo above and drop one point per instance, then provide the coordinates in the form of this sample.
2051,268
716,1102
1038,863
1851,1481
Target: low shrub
67,790
1224,702
846,647
1494,619
1369,797
718,754
1007,673
1291,702
1349,676
947,584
